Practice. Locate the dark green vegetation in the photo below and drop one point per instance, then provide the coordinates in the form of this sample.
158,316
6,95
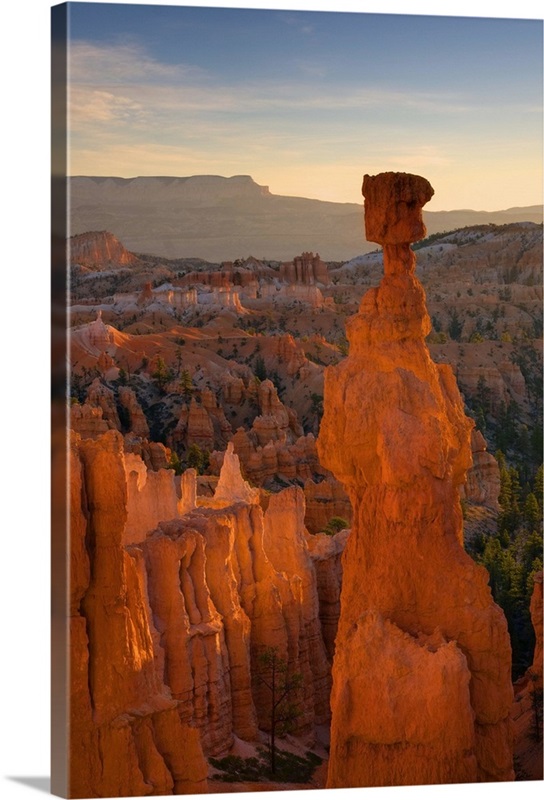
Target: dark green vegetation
334,525
513,556
290,768
513,552
282,685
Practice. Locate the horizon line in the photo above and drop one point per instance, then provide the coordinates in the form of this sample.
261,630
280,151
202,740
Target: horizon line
302,197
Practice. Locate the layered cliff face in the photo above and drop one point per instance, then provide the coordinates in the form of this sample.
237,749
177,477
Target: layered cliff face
306,268
421,675
325,500
171,606
99,250
126,732
326,553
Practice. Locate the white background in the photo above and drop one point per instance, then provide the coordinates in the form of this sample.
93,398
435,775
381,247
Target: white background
24,371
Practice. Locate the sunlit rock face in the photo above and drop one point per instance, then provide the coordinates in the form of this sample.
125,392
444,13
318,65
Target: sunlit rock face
306,268
172,602
231,487
127,736
421,673
99,250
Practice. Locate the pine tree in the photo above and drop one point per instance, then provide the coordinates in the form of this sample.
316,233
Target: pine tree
539,486
274,674
186,383
162,374
197,459
259,370
532,514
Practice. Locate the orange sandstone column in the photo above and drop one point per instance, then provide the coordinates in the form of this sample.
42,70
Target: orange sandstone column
421,674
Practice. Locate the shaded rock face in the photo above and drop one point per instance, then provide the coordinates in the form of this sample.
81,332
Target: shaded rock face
325,500
536,618
393,207
527,709
421,673
285,544
306,268
326,553
137,419
203,424
483,484
277,458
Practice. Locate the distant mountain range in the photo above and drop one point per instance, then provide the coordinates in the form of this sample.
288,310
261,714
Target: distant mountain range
220,219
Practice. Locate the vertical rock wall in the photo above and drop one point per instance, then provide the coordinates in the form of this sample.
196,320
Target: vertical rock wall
126,734
421,674
168,618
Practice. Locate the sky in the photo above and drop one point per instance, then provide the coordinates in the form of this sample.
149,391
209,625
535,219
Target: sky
307,102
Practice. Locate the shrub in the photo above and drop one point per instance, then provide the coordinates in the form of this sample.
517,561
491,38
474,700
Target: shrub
334,525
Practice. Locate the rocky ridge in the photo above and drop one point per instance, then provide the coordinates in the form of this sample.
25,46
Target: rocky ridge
209,214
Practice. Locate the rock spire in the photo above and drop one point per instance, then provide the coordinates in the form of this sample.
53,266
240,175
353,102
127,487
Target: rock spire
231,487
421,673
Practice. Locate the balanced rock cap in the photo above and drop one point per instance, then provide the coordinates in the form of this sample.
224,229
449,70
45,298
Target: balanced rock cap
393,203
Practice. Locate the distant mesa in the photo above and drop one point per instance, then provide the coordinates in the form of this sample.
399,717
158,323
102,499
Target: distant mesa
218,218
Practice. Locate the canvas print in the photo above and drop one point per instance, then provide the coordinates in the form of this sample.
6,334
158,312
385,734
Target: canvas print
297,467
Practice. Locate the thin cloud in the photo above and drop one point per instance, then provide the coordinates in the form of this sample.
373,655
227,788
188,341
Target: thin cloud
129,74
129,63
89,106
126,77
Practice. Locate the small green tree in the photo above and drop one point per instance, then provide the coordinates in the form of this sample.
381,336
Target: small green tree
174,463
531,512
162,374
273,673
179,358
259,369
455,325
197,459
539,486
186,384
334,525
